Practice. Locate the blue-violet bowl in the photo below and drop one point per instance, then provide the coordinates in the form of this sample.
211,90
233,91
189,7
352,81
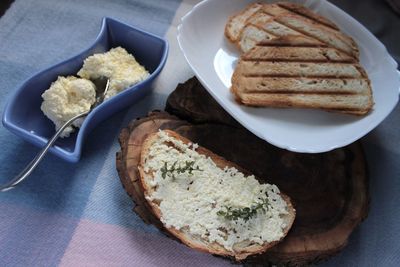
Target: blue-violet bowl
23,115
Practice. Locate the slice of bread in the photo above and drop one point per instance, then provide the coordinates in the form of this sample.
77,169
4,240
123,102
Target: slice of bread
301,85
251,35
237,22
297,53
156,183
298,69
339,102
286,73
288,19
303,11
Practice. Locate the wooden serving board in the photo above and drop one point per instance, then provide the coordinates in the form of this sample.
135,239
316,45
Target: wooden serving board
329,190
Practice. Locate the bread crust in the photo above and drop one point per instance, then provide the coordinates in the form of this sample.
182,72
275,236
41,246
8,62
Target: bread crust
185,237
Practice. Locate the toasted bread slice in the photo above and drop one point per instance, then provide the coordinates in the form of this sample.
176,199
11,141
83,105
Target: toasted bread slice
278,74
283,19
312,28
338,102
260,26
268,52
189,204
298,69
251,35
301,85
268,24
303,11
291,40
237,22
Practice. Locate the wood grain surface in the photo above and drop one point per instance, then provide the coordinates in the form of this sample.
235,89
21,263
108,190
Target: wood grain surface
329,190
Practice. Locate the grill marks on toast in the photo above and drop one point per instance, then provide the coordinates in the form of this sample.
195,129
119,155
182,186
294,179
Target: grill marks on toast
301,85
286,19
297,53
277,75
296,58
291,40
297,69
267,23
237,22
251,35
319,101
267,26
321,33
300,10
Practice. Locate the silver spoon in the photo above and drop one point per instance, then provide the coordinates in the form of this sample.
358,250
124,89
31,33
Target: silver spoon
102,85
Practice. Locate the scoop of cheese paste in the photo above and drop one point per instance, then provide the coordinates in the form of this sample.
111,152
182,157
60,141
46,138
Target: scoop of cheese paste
194,193
66,98
118,65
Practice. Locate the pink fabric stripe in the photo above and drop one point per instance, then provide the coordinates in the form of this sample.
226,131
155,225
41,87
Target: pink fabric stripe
95,244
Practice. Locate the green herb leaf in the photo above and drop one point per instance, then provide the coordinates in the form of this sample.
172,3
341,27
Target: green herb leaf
164,170
246,213
189,167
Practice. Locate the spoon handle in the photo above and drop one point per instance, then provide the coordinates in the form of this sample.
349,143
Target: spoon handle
32,165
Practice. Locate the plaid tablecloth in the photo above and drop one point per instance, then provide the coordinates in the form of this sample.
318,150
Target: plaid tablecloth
78,214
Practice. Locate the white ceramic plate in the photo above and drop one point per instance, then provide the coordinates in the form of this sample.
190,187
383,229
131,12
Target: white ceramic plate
213,58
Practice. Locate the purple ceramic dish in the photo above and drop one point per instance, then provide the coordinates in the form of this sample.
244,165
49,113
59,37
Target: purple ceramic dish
23,115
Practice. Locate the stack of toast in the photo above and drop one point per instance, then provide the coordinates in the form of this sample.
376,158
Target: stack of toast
293,57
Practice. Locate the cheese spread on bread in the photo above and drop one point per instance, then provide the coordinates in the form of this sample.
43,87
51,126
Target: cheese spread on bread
191,199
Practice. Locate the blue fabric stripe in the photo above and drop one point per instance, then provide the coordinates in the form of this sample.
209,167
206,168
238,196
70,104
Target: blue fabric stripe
109,203
32,238
35,34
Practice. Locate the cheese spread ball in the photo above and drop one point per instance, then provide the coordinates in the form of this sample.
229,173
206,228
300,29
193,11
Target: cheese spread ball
118,65
66,98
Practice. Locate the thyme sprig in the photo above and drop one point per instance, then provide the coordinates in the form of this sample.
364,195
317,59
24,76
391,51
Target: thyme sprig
189,167
246,213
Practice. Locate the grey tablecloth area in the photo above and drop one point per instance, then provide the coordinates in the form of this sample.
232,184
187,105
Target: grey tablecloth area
379,18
